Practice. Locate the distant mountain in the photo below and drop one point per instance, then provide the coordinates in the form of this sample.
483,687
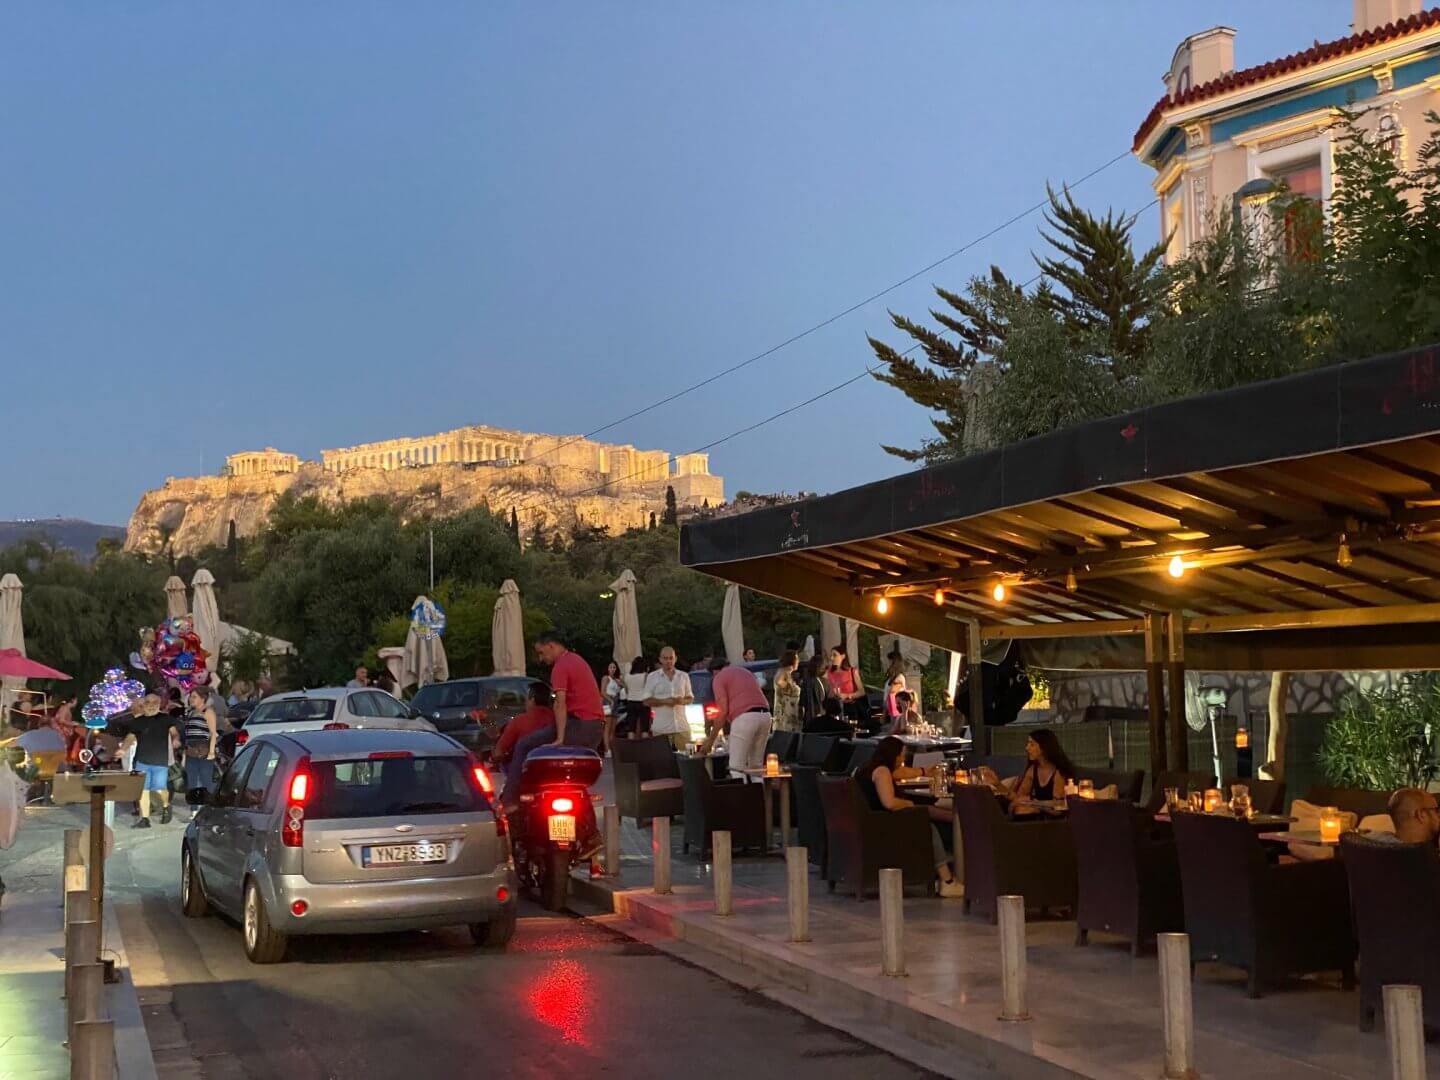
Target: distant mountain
79,536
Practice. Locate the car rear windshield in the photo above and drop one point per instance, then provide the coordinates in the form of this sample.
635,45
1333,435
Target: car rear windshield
390,786
293,710
447,696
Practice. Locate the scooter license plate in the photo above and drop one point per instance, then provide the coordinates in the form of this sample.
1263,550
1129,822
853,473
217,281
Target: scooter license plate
562,826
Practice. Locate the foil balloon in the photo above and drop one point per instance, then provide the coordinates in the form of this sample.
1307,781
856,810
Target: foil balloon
427,619
173,652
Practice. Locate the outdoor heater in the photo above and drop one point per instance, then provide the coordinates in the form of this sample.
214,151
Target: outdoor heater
1214,698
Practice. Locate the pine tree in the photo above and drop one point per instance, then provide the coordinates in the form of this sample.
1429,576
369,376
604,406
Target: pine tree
514,524
672,513
232,549
652,519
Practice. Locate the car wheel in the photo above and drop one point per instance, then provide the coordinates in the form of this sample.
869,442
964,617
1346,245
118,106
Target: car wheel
496,933
192,891
263,943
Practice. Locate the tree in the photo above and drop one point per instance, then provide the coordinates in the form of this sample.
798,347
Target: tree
672,513
515,526
652,520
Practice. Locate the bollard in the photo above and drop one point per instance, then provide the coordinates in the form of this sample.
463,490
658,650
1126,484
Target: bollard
87,994
660,854
722,873
82,941
1405,1029
612,841
77,903
92,1050
1012,957
1176,1010
892,922
797,872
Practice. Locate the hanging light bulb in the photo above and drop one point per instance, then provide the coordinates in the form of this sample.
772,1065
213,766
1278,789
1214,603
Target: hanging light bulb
882,605
998,592
1343,556
1070,583
939,597
1177,566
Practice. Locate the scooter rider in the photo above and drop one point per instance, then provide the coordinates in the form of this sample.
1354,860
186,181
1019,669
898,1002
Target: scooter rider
579,708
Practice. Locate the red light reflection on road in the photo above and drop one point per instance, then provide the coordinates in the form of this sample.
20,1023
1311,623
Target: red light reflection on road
558,1000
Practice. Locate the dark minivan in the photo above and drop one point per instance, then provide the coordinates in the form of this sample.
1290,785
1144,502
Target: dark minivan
474,711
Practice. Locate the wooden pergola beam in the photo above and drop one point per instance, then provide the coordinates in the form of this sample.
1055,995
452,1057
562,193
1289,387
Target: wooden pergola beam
1395,615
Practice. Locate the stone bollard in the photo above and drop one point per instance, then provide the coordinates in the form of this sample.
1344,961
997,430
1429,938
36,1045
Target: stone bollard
1176,1010
722,873
660,854
797,874
1405,1029
87,994
1012,957
612,841
892,922
92,1050
82,943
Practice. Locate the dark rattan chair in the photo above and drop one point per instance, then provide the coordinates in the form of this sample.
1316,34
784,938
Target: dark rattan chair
815,749
1184,782
647,778
1129,880
783,744
712,804
1032,858
810,813
863,841
1272,920
1395,895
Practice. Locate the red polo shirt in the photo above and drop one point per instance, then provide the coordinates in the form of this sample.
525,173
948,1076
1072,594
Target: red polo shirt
737,692
582,693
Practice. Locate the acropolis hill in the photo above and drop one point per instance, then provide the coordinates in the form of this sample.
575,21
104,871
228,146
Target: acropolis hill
555,480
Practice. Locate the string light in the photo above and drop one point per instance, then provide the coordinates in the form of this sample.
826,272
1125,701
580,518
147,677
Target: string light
1343,556
1070,583
882,605
1177,566
998,592
939,597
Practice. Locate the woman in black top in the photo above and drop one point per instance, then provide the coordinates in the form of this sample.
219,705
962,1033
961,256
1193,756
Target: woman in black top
1046,770
877,781
813,691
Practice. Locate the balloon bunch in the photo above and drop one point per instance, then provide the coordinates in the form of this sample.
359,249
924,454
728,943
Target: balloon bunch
113,694
427,619
173,651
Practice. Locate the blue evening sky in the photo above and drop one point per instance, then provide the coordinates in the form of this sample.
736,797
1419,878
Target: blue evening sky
225,226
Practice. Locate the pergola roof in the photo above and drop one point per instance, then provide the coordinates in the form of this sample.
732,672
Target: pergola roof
1253,488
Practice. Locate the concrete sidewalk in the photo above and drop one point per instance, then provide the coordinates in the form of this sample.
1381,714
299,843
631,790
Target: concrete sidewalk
32,966
1096,1010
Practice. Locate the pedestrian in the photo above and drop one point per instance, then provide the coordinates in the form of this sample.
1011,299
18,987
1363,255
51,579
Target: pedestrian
612,690
148,732
637,710
385,681
845,684
579,711
907,717
787,693
744,713
704,663
361,679
748,656
201,731
893,690
263,688
239,692
667,691
813,692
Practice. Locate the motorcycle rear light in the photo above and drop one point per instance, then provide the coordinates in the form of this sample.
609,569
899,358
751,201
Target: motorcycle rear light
562,805
299,907
336,725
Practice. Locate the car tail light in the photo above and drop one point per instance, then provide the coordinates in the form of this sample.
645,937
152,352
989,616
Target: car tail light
712,711
382,755
336,725
482,777
299,907
502,894
241,738
562,804
292,828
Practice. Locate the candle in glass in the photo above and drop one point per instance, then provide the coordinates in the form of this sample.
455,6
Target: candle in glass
772,764
1212,800
1086,789
1330,825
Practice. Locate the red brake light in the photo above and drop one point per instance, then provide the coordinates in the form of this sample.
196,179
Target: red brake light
479,715
292,827
299,787
482,777
241,737
562,805
712,711
382,755
336,725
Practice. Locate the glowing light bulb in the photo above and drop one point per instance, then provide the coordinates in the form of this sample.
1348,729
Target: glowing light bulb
998,592
1177,566
939,597
1343,556
882,605
1070,583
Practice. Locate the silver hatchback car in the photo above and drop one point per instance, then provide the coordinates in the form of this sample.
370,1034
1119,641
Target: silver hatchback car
347,832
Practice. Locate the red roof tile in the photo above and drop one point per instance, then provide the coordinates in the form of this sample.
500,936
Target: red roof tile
1295,62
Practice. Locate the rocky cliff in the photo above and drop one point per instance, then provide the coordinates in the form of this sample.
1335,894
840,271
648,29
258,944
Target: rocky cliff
191,513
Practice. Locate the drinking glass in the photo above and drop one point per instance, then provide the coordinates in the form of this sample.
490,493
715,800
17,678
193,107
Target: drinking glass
1172,799
1197,802
1240,802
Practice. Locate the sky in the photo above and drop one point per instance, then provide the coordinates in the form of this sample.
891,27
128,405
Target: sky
228,226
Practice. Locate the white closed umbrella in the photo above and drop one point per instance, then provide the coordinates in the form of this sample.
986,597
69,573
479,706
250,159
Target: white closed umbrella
176,602
807,651
830,633
12,633
852,642
425,660
625,623
507,632
207,616
732,628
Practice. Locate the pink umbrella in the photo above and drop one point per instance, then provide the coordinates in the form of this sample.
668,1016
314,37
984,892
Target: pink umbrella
22,667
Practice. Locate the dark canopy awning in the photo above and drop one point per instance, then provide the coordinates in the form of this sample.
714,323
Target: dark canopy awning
1311,501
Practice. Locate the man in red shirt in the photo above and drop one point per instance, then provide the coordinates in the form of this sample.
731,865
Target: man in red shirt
579,710
538,715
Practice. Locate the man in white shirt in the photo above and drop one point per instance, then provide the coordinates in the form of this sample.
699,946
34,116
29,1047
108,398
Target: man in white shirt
667,692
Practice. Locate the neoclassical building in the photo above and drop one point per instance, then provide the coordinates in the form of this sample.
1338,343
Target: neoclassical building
1219,139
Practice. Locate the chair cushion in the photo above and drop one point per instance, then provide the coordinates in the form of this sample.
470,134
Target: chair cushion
1377,823
1109,791
664,783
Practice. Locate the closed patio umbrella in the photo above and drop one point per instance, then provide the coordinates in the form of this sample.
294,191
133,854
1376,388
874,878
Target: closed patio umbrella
176,602
732,629
207,615
425,661
830,633
507,632
626,621
12,633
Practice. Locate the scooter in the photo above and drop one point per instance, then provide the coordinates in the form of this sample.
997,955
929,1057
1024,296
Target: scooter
553,827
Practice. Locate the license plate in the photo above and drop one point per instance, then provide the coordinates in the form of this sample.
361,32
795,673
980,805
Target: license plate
562,827
403,854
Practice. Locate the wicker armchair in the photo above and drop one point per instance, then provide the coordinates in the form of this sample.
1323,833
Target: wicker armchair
647,778
863,841
1033,858
1129,880
712,804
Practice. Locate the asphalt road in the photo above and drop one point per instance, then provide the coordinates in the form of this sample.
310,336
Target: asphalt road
568,998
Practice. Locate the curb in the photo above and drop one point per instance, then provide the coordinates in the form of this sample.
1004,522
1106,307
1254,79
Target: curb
812,986
134,1059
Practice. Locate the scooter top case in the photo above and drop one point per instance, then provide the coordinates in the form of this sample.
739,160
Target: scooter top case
560,765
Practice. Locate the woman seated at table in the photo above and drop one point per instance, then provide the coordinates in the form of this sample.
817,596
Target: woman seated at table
878,782
1046,770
